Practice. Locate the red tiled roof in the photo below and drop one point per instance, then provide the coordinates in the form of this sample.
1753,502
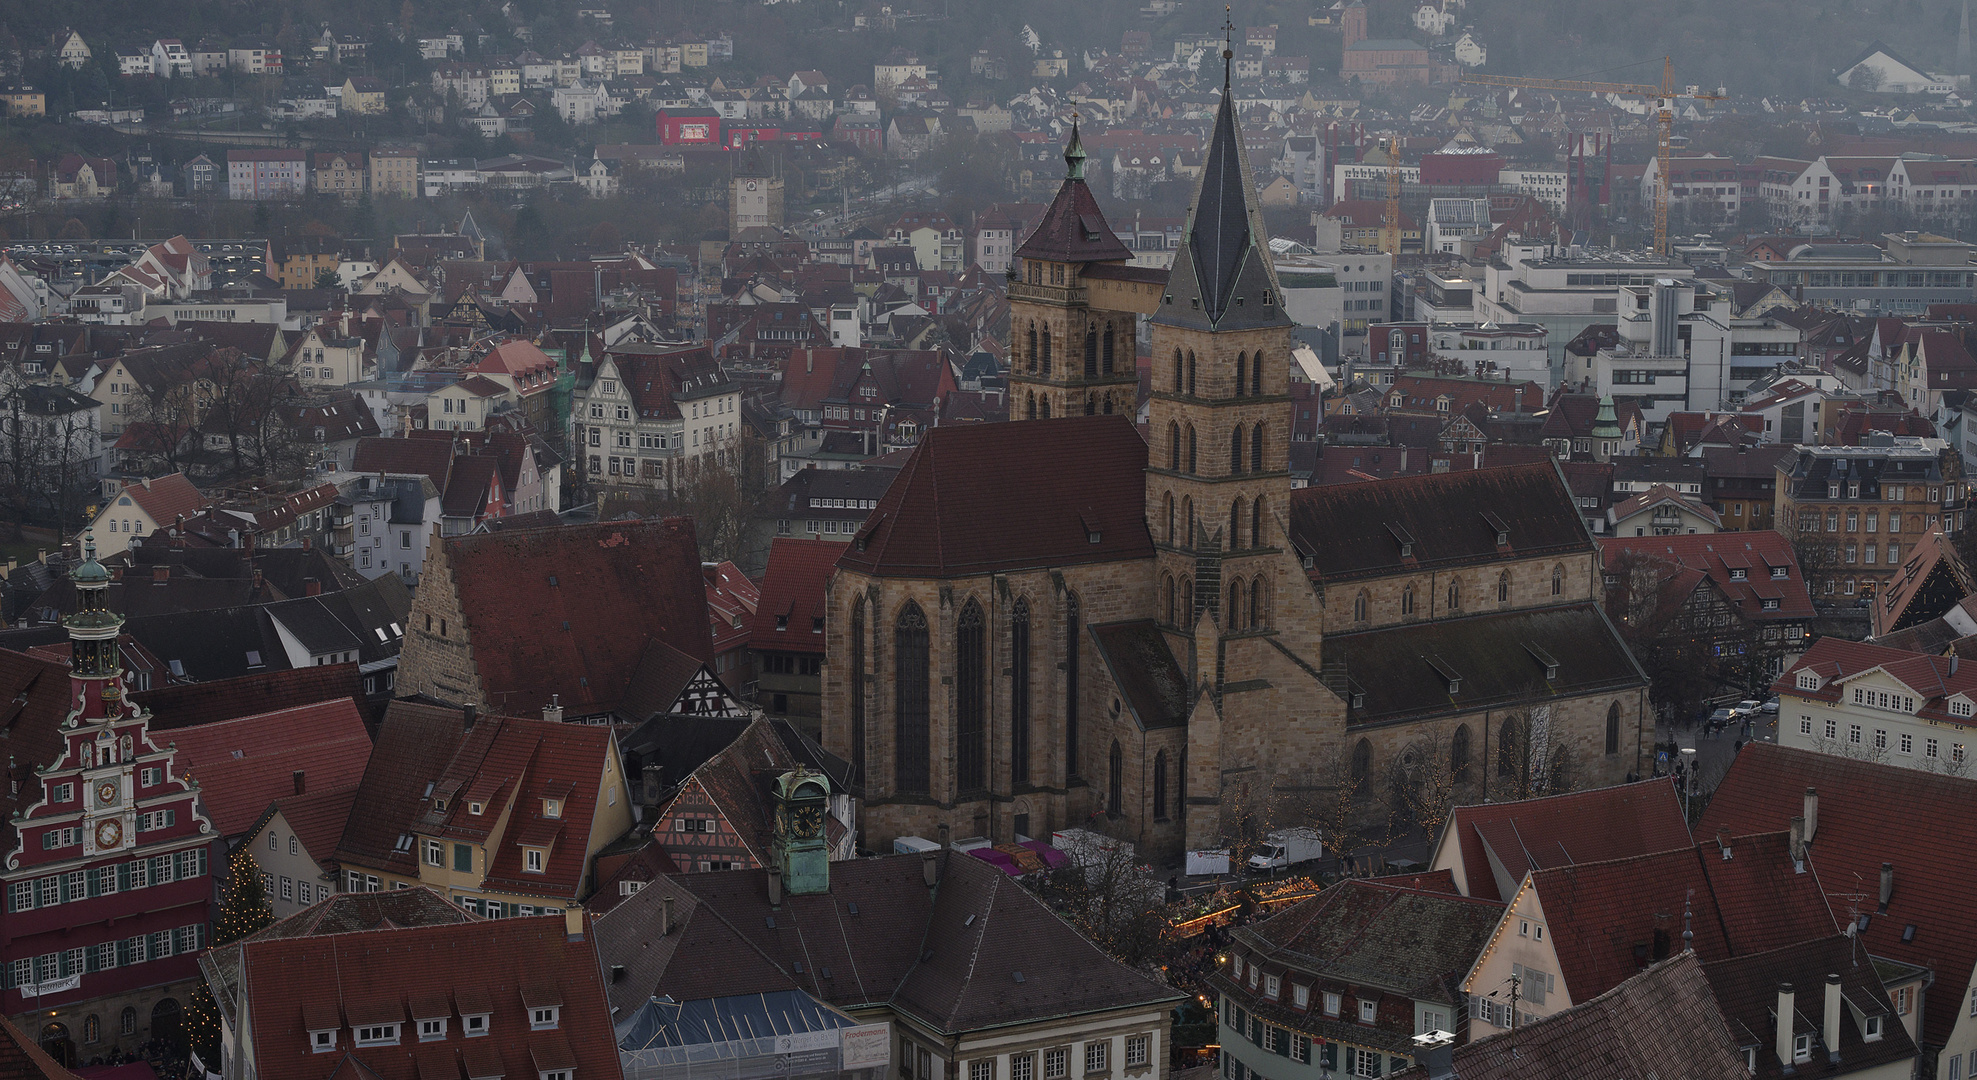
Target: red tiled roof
164,498
1933,678
1870,814
21,1058
1580,827
1931,580
790,616
1759,554
980,498
191,704
243,765
318,817
732,600
415,745
1073,229
568,611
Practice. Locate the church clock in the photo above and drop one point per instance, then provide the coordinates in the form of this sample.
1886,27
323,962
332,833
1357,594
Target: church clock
802,852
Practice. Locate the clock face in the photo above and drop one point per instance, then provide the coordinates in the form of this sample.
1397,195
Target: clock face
750,185
109,833
106,792
807,821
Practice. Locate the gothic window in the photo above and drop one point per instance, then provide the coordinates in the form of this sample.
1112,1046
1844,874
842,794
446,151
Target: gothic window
1193,458
1256,603
1359,605
1458,752
1235,525
1045,408
1187,521
1557,580
1235,451
1173,446
858,690
1503,588
1167,586
1362,768
1107,408
970,701
1256,449
1071,644
1046,350
1235,605
1613,728
1256,522
1179,368
1105,360
1033,408
1256,375
1115,785
1091,404
1190,374
1242,372
909,652
1160,785
1455,595
1181,781
1187,603
1506,748
1033,348
1019,693
1091,352
1407,599
1167,510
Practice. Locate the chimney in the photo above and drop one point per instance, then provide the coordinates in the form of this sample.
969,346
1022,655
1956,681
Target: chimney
1798,845
775,887
665,915
1811,814
1435,1050
469,713
301,783
311,587
930,869
257,581
1887,884
649,786
943,837
160,574
553,712
1830,1030
573,923
1787,1006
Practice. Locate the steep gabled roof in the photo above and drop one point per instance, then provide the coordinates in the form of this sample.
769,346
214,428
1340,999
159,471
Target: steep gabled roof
1746,991
1930,582
790,615
1074,229
1497,843
1223,278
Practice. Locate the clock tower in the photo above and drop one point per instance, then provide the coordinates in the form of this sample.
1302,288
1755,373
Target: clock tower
802,853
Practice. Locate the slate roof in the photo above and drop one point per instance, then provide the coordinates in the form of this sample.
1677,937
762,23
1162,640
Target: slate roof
1581,826
1223,274
189,704
1608,919
1349,530
242,765
1399,672
790,615
946,957
1869,814
1746,991
1073,229
1410,942
1665,1016
983,498
1142,665
568,611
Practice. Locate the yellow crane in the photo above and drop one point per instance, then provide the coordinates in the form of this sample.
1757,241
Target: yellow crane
1662,96
1390,234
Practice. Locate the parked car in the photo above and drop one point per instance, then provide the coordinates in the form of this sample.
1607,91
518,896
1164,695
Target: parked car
1770,708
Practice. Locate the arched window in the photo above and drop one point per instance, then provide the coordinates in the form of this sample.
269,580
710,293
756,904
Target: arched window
1091,352
1234,613
1362,768
970,701
1167,586
1190,373
1045,408
1033,408
1115,784
1187,603
1455,595
1174,446
92,1029
1256,523
1167,512
1256,374
1458,753
1235,525
1046,350
1235,451
1106,358
1194,460
1160,786
1503,588
1072,641
1091,404
1256,603
858,690
1359,605
1019,693
1107,406
910,698
1181,783
1557,580
1507,749
1033,348
1242,372
1180,368
1613,728
1407,599
1187,522
1256,449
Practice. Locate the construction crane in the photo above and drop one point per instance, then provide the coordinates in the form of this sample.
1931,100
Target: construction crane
1663,98
1390,235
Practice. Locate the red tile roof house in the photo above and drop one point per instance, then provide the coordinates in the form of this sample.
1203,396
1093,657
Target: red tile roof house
731,603
242,765
1490,846
502,814
722,816
787,635
294,840
534,618
1898,849
401,986
145,506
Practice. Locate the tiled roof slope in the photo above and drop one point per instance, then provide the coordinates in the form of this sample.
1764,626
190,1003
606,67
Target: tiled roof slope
723,944
166,497
1663,1018
1868,813
656,684
1073,229
318,817
1605,917
1356,530
242,765
1931,580
789,617
415,745
1933,678
1746,991
984,498
1582,826
1407,941
1759,554
190,704
567,612
22,1059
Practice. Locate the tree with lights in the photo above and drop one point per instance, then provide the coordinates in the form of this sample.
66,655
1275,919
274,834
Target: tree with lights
243,911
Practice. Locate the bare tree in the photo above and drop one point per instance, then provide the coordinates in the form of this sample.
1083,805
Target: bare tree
724,491
1109,895
1426,781
1529,762
49,448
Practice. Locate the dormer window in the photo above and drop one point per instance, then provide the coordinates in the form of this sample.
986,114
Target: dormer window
532,860
1739,575
1871,1030
473,1024
378,1035
552,808
1807,680
322,1042
1960,707
432,1030
544,1018
475,808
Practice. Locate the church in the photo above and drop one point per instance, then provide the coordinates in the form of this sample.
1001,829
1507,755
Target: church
1058,621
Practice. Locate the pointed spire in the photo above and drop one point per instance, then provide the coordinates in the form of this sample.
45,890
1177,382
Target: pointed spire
1228,45
1606,425
1074,154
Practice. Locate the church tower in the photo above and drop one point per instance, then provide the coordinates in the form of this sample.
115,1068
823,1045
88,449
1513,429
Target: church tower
1218,470
1068,358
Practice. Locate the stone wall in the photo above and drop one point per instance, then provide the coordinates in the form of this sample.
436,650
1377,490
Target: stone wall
437,658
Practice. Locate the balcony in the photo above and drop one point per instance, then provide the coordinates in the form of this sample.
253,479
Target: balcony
1047,294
